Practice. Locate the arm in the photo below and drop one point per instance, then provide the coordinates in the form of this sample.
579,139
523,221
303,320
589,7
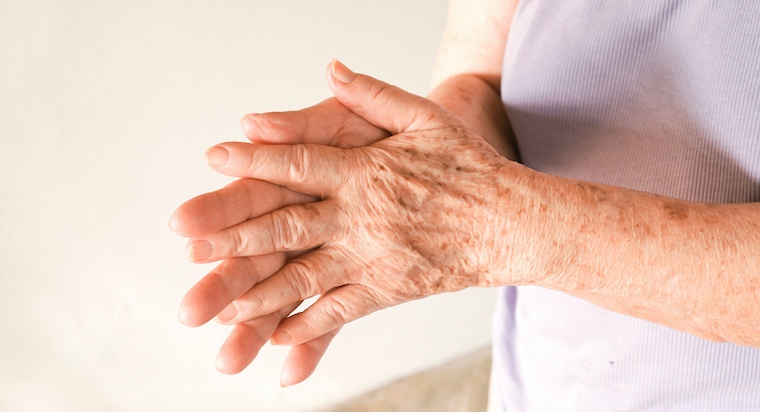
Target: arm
689,266
467,72
685,265
412,215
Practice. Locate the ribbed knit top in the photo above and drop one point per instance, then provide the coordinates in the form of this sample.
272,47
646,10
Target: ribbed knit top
661,96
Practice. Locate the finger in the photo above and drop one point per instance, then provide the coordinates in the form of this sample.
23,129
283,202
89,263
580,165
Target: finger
303,359
326,123
235,203
306,276
246,339
310,169
385,106
297,227
227,282
330,311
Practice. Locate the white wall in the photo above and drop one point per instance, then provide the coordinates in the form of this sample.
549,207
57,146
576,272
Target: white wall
106,109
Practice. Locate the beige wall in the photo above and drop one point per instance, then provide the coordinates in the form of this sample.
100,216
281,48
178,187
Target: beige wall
106,108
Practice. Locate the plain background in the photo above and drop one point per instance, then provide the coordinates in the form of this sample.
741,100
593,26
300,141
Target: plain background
106,109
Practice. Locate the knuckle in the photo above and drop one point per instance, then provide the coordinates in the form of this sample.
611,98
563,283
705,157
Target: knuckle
336,312
240,243
297,163
216,277
255,299
286,229
252,304
299,277
251,161
277,126
378,92
222,275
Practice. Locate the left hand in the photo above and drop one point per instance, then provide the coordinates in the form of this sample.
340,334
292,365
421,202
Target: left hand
209,213
415,214
329,123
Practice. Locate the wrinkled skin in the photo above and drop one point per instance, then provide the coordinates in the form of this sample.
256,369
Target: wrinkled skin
248,198
402,222
411,215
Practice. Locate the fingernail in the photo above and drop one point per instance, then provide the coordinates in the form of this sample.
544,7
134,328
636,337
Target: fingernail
342,73
280,338
184,316
217,156
199,250
227,313
174,225
286,378
223,365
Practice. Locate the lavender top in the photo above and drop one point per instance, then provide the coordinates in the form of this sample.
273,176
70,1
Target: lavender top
661,96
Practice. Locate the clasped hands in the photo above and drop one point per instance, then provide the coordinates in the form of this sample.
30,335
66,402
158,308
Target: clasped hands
369,199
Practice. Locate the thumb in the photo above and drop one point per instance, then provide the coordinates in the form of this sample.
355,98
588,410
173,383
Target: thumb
385,106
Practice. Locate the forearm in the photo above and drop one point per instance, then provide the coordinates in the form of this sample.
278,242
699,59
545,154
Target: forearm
690,266
473,99
467,72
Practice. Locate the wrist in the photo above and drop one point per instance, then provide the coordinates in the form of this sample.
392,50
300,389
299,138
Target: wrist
474,101
521,244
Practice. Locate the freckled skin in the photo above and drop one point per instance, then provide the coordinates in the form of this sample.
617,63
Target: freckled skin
653,257
311,209
434,208
431,216
633,253
676,210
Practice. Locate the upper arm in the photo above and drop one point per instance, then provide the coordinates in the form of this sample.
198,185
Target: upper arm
474,40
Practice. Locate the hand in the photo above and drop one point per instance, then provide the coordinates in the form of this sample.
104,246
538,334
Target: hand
415,214
328,122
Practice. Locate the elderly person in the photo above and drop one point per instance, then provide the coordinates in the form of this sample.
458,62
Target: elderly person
625,239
